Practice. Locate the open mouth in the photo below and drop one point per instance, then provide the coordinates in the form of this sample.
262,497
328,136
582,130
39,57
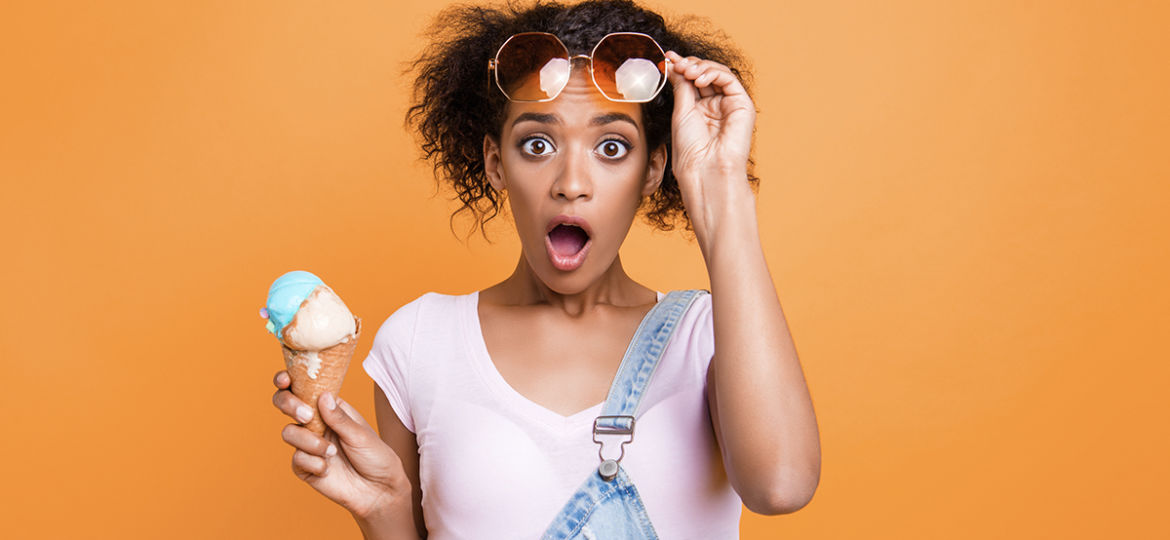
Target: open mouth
567,246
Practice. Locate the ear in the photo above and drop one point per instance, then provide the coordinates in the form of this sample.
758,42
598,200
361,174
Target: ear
655,170
492,162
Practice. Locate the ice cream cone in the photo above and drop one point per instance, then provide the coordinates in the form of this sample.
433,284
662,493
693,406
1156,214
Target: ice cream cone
333,363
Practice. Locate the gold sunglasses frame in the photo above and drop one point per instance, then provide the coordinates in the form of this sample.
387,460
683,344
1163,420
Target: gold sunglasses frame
493,62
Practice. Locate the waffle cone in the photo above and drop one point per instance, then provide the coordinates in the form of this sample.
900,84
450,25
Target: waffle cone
334,363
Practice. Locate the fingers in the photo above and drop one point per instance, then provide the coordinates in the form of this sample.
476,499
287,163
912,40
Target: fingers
702,73
345,421
709,80
706,78
313,452
290,405
309,463
281,380
306,441
351,411
685,93
693,67
287,402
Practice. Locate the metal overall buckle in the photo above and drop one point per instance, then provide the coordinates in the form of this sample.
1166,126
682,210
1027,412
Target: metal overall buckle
609,467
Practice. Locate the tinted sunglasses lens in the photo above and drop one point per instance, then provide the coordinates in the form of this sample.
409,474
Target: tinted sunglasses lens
629,67
532,67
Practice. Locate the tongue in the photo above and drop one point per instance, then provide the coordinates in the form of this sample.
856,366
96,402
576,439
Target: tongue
567,240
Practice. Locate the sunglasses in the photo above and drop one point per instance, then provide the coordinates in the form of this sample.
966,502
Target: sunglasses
535,66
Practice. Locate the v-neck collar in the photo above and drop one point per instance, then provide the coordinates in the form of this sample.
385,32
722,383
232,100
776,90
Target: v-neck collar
494,380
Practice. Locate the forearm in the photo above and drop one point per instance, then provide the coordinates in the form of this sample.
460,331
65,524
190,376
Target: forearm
388,524
768,429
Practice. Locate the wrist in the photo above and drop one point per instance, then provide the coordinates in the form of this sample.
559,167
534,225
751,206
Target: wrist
730,217
388,522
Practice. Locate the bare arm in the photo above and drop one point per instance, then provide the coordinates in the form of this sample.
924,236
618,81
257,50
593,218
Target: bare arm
405,444
760,405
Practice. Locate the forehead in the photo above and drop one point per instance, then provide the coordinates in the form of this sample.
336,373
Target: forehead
576,106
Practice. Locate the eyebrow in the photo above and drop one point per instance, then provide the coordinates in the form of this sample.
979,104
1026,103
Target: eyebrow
599,120
543,118
608,118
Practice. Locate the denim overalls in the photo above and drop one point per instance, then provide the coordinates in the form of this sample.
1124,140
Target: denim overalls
607,506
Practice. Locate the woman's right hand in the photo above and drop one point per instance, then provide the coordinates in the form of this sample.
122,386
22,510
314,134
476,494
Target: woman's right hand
351,464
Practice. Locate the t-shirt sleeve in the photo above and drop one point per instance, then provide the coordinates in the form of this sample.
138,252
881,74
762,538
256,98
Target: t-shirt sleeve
703,335
389,362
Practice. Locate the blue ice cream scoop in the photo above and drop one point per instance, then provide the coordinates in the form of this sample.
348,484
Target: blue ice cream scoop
285,297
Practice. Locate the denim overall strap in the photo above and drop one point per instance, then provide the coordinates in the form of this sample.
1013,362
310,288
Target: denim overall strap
641,358
610,507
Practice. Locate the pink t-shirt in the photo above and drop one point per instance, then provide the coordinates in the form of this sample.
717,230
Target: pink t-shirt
494,464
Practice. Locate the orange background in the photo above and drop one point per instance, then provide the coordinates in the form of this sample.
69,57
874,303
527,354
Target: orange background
960,205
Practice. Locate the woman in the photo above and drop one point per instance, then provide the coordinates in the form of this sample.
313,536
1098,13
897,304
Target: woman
577,119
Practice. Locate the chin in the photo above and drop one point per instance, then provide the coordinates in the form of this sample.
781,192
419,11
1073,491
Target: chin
561,281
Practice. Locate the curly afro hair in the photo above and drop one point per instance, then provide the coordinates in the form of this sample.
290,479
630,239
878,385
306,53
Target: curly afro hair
454,105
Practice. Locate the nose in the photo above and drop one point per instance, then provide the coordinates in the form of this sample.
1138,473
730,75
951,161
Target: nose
573,182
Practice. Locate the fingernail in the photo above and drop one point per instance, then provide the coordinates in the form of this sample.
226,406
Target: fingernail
331,451
304,413
330,403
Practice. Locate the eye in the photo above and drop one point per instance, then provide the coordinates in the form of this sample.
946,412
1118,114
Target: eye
613,148
537,146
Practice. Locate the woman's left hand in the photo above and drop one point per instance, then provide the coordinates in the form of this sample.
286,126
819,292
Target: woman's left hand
712,135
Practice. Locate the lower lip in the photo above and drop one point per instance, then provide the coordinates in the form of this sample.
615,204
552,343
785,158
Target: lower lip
571,262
